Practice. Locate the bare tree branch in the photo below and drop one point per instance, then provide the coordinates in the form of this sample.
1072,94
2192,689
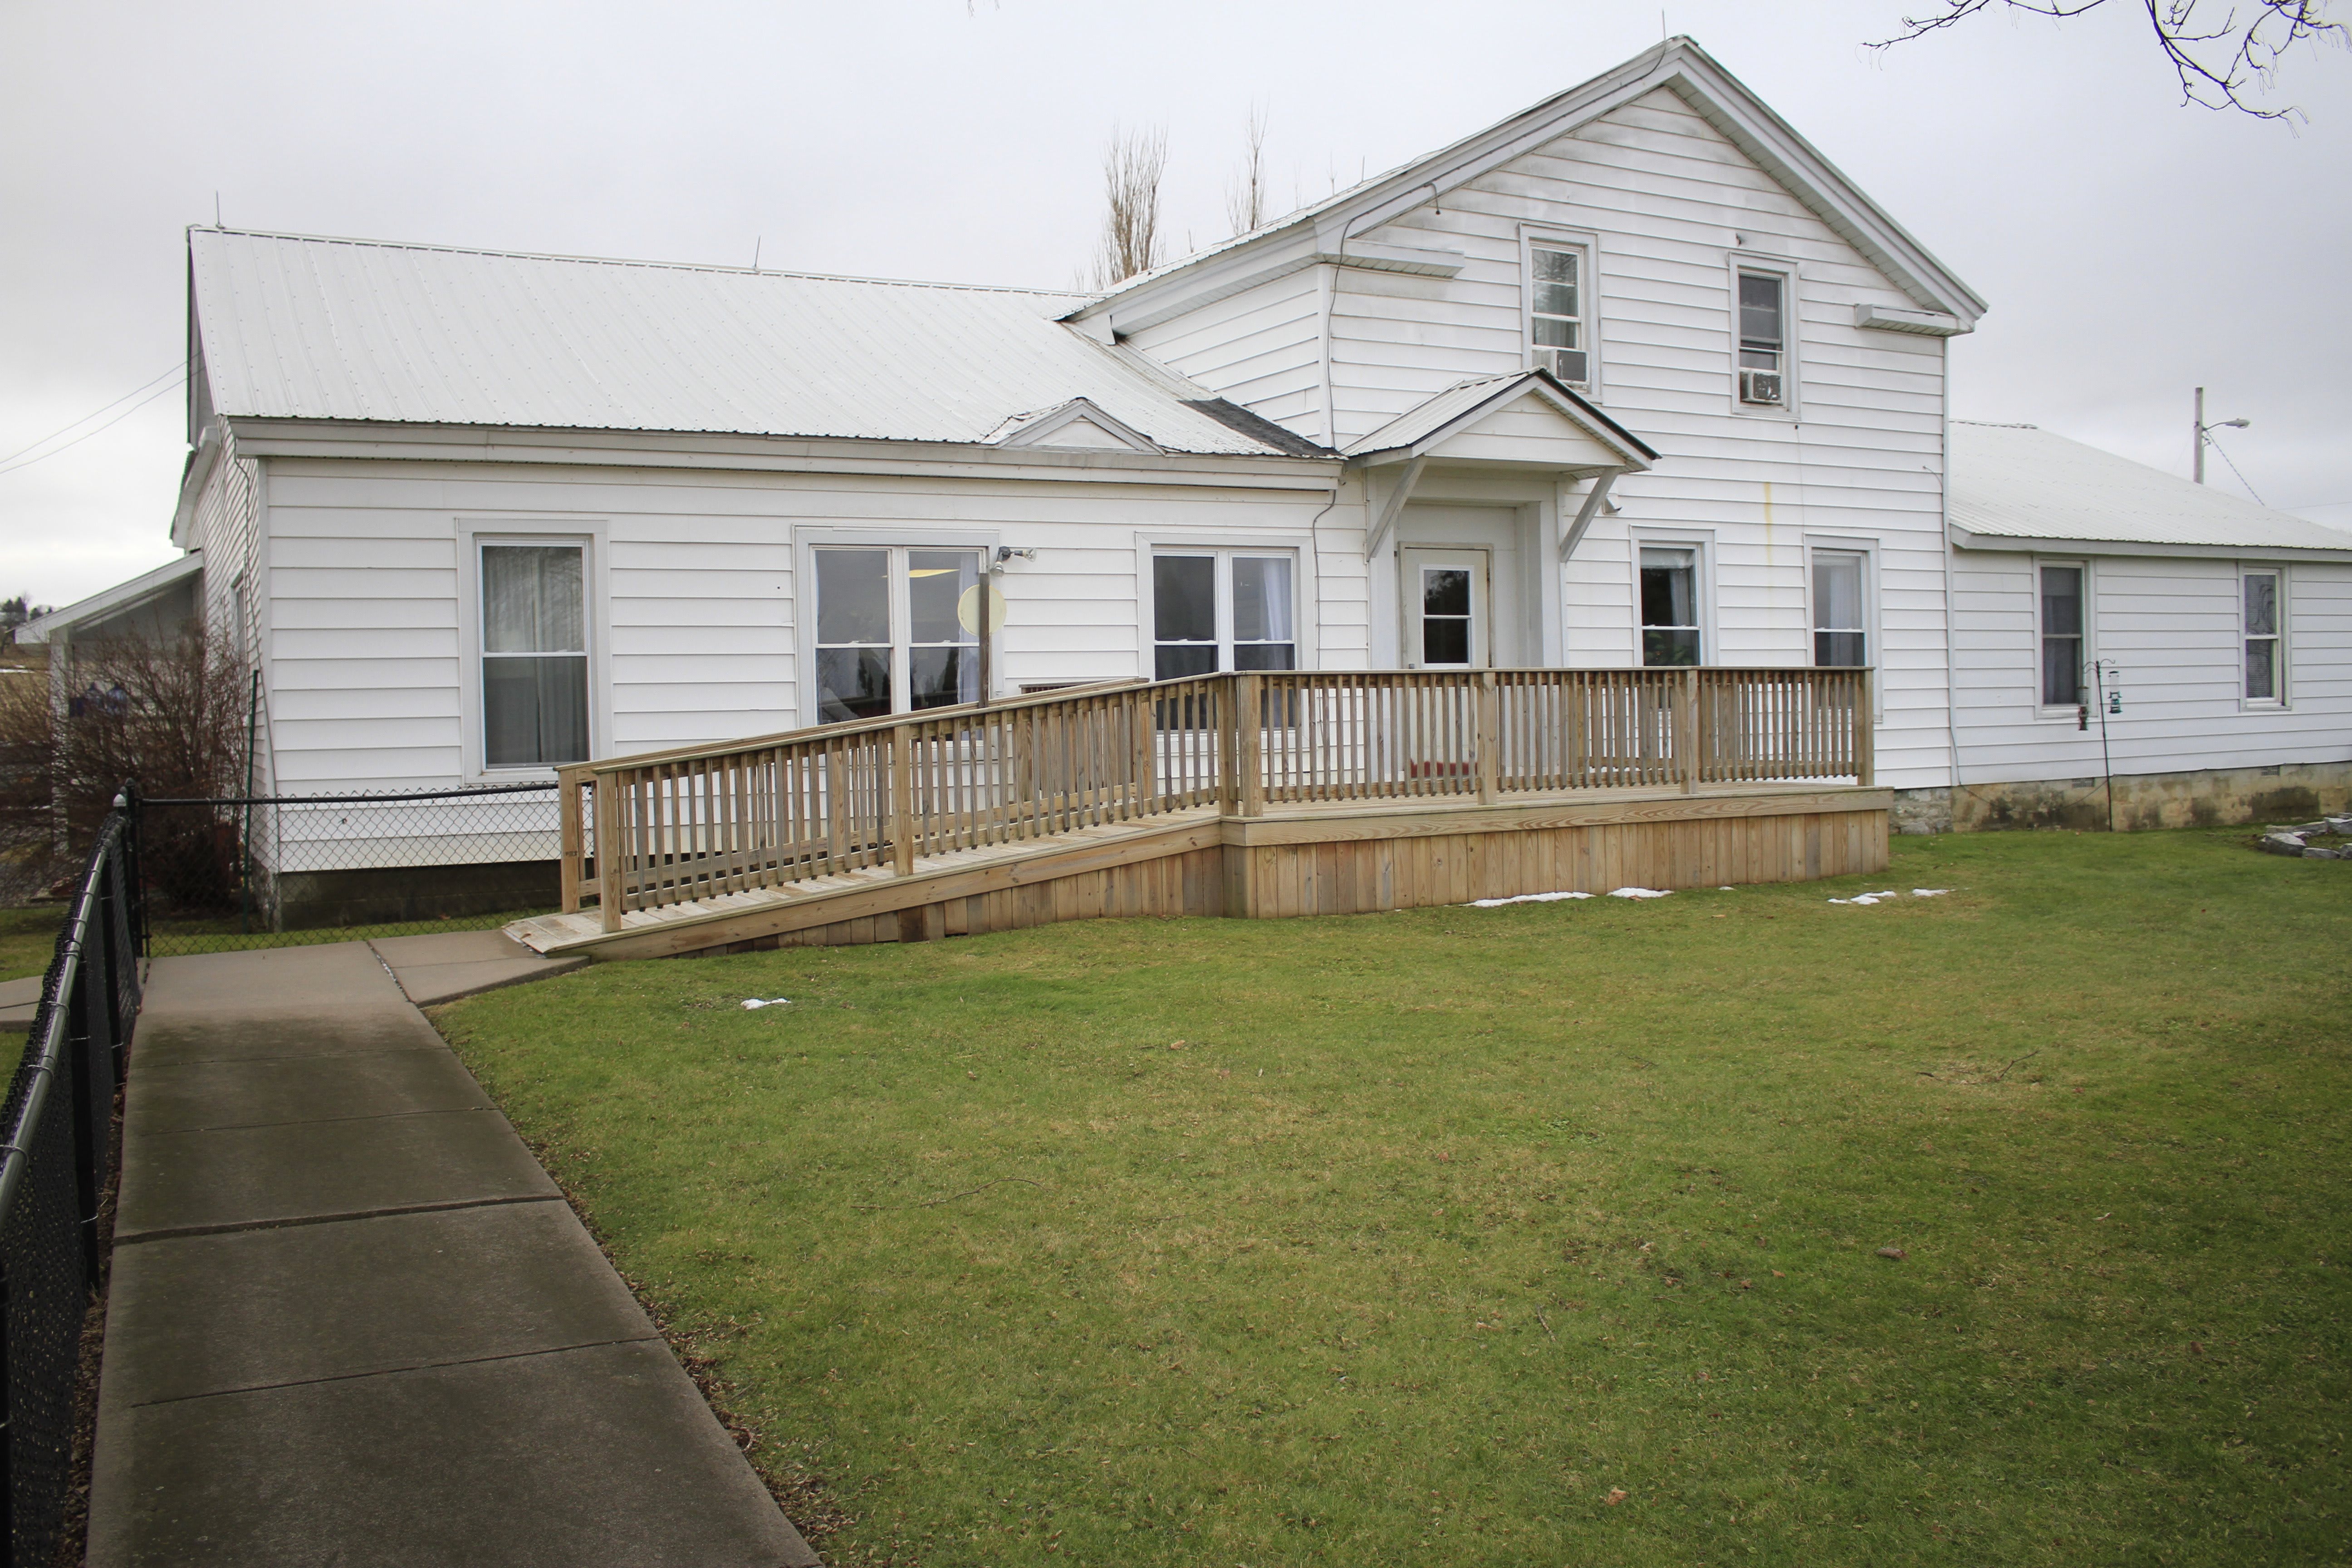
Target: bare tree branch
1246,197
2219,63
1132,168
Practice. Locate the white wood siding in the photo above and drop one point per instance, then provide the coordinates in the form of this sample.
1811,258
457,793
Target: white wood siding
1262,348
1669,203
2173,626
698,625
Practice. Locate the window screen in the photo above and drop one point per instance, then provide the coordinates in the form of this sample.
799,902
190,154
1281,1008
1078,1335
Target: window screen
2062,635
1839,636
1761,331
1669,607
2262,592
534,656
1558,316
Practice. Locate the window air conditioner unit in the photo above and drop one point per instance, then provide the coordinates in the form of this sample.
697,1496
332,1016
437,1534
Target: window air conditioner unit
1759,387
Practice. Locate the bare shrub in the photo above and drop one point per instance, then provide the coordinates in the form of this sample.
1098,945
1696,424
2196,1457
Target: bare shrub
170,713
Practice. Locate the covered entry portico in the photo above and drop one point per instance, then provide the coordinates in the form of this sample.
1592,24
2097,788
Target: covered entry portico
1476,496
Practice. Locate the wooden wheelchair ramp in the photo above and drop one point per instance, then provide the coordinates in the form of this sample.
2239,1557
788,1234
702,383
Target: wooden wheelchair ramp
1251,797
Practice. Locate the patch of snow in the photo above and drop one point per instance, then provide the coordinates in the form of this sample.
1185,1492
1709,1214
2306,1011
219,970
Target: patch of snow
1638,893
1523,898
754,1002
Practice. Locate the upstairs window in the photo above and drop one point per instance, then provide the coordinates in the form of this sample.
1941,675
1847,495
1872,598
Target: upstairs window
2264,668
1760,329
534,656
1763,339
1559,328
1840,637
1221,609
2062,635
1669,606
897,630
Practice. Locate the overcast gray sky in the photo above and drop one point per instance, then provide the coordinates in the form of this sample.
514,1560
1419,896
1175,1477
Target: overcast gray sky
2130,248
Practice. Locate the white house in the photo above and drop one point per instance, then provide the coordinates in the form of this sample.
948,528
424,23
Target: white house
2113,620
1636,376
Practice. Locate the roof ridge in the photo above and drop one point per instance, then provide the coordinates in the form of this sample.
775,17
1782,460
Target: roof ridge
196,228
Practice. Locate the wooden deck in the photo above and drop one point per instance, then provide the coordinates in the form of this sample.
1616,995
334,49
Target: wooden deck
1302,858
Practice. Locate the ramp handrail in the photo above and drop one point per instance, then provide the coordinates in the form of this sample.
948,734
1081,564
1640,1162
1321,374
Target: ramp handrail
640,832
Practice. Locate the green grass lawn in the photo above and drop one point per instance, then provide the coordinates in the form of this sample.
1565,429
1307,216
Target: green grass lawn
28,939
1544,1235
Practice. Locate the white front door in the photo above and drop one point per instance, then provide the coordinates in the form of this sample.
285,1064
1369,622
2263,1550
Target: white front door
1444,608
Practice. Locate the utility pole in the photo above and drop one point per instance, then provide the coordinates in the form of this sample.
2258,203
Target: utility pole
2197,439
2202,434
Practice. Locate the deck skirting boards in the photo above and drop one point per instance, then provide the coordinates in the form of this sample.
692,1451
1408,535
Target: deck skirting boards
1296,860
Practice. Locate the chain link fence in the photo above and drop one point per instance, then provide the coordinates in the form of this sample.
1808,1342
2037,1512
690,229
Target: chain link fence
55,1171
287,870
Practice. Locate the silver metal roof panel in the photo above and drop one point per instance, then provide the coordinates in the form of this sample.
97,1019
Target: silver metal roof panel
298,328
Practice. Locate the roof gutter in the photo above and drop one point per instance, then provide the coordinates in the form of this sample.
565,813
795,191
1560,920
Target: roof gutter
2047,544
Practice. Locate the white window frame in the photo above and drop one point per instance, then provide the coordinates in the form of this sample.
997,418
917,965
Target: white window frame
1789,407
2065,711
1702,542
2282,666
1587,250
1223,556
802,605
473,533
901,644
1175,541
1873,628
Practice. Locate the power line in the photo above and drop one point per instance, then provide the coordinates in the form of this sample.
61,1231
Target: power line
94,412
2208,435
10,465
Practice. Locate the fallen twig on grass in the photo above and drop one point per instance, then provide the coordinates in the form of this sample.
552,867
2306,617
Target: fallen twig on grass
929,1203
2012,1061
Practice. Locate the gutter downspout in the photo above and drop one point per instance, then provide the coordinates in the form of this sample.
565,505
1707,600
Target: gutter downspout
1951,618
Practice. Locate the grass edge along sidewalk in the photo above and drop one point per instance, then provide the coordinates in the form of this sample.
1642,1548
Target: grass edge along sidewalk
1428,1235
353,1320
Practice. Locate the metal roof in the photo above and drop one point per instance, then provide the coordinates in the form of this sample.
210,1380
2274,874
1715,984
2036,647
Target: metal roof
2015,482
114,601
1677,64
1465,402
300,328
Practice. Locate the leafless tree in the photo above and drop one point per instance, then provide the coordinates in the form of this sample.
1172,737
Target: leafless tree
168,712
2219,59
1246,197
1132,168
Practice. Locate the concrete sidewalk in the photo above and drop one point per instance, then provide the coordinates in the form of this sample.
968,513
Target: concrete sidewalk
352,1321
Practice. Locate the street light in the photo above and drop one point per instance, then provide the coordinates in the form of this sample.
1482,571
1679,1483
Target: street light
2203,434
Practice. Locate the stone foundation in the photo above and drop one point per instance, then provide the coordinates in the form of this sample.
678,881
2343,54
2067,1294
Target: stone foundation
1919,811
2212,797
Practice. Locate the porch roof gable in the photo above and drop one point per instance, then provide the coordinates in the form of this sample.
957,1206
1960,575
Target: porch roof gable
1525,417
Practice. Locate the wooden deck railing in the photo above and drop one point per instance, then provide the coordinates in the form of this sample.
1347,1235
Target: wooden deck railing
644,831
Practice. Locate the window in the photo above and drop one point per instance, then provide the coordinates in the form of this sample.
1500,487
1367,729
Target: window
1445,622
1669,606
1840,636
1555,291
1760,330
1221,609
2265,669
2062,635
534,655
897,630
